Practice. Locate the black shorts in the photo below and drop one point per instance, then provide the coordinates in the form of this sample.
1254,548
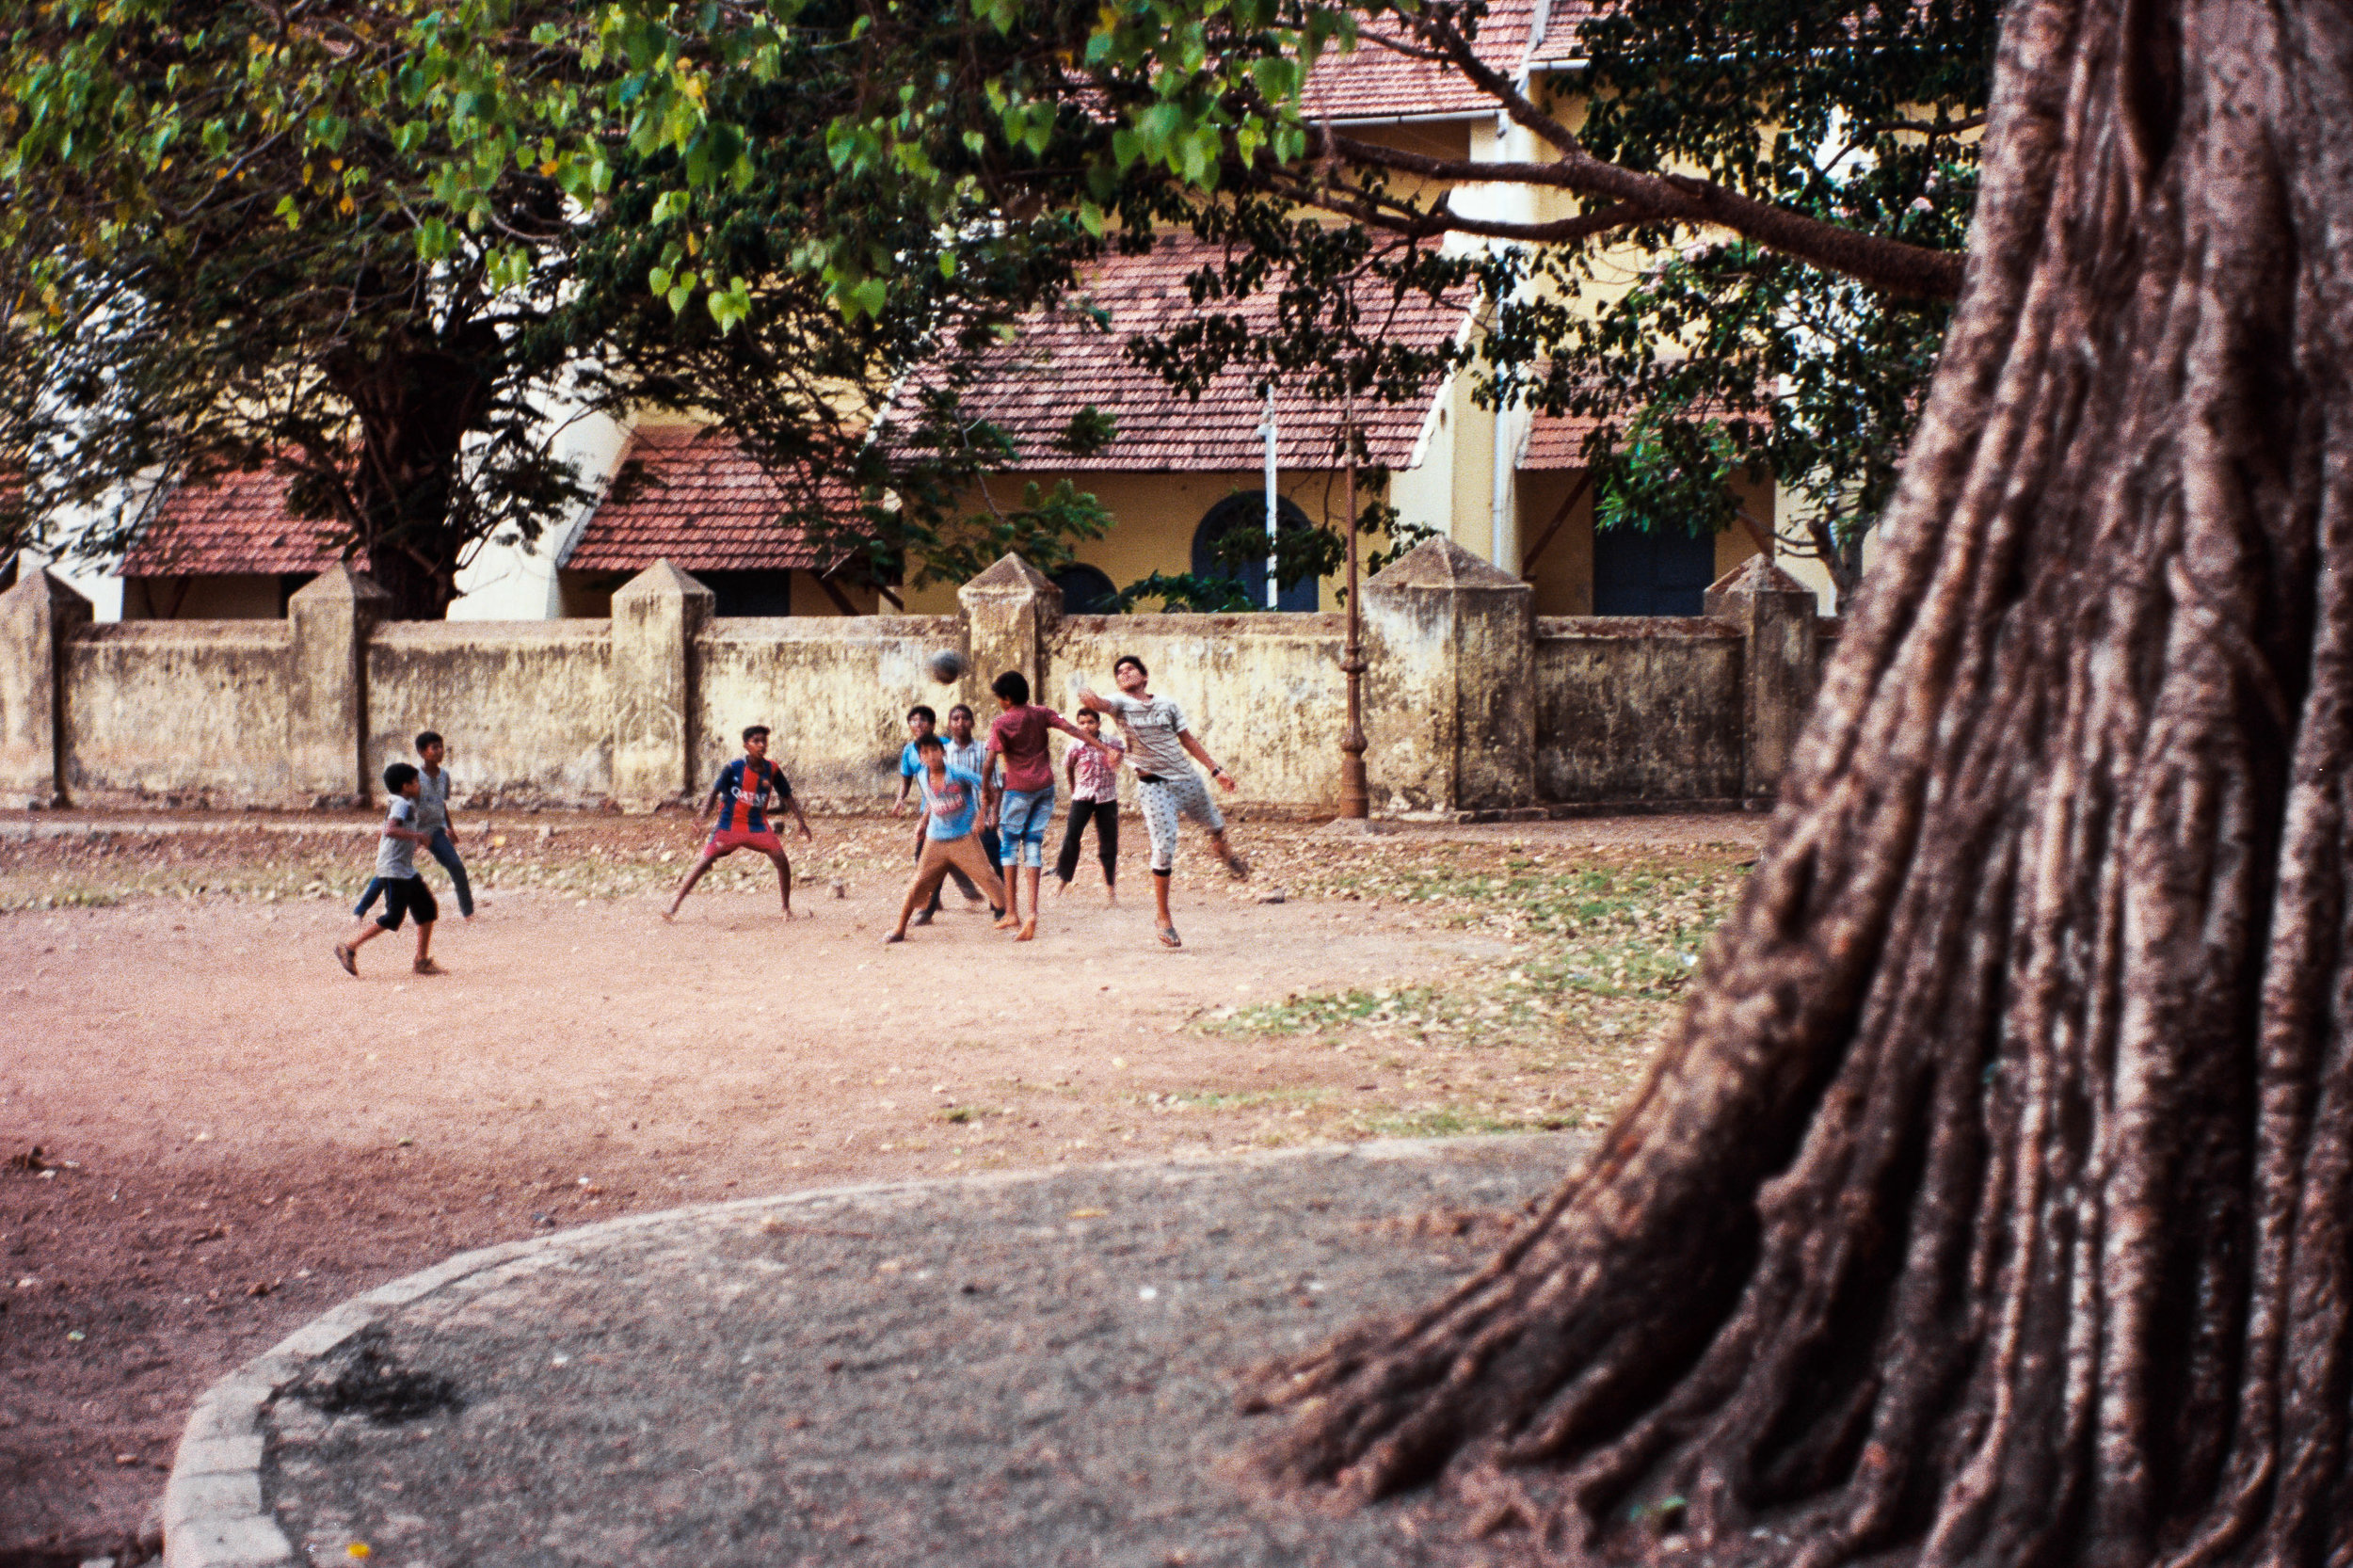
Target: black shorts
407,895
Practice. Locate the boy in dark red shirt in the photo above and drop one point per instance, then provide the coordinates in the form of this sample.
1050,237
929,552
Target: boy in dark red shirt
745,792
1023,805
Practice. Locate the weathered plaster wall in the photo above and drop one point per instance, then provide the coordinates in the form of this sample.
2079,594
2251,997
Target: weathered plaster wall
833,693
1472,703
525,706
1638,708
1263,692
178,713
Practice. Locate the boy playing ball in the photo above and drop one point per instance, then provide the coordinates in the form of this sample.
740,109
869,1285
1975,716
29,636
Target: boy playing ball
745,792
405,893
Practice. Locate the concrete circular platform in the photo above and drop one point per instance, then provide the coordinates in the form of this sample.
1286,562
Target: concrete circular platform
1020,1370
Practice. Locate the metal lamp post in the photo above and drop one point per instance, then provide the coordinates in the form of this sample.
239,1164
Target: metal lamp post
1356,799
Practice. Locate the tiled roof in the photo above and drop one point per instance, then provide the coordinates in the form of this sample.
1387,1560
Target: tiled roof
1374,82
235,525
1557,441
703,505
1559,45
1059,362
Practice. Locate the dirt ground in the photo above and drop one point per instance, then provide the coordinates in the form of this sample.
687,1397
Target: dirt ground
232,1135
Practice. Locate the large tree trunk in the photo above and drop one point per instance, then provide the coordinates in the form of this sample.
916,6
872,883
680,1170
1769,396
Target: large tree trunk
1989,1203
416,405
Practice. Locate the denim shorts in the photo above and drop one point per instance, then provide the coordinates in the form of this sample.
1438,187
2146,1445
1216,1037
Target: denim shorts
1021,819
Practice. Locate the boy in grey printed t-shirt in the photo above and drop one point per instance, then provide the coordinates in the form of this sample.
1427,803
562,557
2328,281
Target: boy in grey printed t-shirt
433,792
1161,749
405,893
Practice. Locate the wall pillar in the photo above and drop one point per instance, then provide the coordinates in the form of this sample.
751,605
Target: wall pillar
1009,611
37,618
326,698
658,618
1449,688
1775,614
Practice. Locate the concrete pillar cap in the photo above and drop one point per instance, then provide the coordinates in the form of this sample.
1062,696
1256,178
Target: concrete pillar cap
1440,563
340,585
42,582
662,581
1757,575
1011,578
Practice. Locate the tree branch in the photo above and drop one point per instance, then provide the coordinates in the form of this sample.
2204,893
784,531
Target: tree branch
1890,265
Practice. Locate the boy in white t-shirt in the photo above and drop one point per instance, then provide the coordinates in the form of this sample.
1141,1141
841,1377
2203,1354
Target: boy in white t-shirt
1158,747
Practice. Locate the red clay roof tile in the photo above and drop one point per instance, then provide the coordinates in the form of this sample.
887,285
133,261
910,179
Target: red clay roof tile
703,505
1061,362
1375,82
239,524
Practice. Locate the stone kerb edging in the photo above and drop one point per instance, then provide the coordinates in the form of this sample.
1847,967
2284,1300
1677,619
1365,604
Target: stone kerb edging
214,1513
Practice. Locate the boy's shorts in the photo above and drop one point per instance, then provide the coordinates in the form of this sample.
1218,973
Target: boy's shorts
733,839
408,896
1022,816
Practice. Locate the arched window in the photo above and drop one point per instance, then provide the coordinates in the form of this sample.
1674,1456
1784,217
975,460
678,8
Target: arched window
1246,513
1085,591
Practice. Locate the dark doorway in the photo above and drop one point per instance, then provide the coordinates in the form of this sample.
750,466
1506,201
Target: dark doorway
1637,572
1246,513
748,593
1085,591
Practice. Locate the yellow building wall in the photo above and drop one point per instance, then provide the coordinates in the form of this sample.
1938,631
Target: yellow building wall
1156,516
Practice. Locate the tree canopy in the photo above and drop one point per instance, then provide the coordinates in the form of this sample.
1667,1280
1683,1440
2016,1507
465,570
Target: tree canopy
1787,181
365,239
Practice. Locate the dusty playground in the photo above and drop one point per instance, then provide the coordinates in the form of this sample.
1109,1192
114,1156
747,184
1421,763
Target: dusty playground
234,1135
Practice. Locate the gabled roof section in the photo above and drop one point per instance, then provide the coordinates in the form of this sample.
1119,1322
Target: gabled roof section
1059,362
1557,441
701,502
1555,41
239,524
1374,82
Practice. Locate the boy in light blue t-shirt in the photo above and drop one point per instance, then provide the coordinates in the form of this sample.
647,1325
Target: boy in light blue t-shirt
951,802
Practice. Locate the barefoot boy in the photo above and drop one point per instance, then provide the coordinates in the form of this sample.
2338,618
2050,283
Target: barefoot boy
952,799
405,893
745,792
1025,807
1157,744
921,721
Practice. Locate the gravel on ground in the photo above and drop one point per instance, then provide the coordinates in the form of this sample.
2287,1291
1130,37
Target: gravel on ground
232,1135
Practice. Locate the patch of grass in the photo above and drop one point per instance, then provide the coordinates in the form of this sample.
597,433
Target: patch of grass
1450,1122
1236,1099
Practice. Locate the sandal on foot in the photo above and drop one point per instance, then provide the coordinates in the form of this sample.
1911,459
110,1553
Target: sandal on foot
348,959
1238,867
894,936
427,965
922,917
1169,938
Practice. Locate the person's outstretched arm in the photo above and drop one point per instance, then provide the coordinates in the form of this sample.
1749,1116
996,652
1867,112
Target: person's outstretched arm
1075,732
1100,704
1184,737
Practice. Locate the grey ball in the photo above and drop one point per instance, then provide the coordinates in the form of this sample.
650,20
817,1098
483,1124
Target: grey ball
946,666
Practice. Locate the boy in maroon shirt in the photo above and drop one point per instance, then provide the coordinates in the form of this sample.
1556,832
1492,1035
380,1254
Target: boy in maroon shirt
1024,806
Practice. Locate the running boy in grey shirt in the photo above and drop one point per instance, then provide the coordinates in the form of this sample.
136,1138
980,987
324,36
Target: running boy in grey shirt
433,788
405,893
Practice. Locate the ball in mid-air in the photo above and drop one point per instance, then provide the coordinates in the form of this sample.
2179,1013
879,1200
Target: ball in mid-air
947,665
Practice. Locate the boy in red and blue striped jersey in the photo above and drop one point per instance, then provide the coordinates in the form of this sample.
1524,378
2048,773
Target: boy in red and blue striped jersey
745,792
